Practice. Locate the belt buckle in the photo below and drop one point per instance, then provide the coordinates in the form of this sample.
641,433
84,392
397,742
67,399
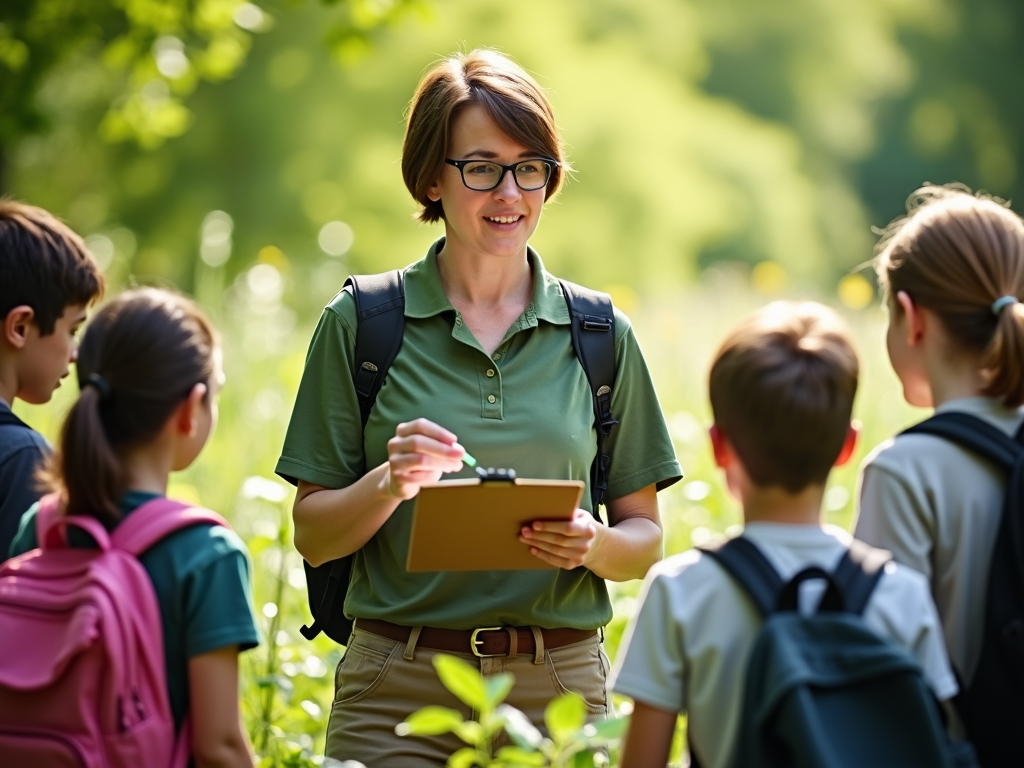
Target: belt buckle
474,642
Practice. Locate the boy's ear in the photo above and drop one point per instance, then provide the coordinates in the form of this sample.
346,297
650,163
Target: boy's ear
720,446
16,325
915,318
186,417
850,444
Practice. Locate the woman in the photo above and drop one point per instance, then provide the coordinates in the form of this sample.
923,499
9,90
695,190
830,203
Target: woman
487,359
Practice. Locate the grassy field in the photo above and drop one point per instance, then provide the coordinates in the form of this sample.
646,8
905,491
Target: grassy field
287,682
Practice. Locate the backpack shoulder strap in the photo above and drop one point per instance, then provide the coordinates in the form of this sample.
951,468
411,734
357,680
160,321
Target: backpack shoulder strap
857,574
592,319
974,434
742,560
156,519
380,308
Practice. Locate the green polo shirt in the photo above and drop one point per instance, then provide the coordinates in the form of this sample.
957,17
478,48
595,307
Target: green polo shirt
528,407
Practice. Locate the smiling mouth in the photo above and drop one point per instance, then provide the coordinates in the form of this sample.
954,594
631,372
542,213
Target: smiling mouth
504,219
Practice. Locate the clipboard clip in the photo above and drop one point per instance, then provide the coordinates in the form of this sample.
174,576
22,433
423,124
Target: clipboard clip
492,475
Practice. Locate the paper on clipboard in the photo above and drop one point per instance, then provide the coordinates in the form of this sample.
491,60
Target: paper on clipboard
473,525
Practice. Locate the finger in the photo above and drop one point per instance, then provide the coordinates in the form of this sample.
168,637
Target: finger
558,548
425,445
554,539
555,560
427,428
419,462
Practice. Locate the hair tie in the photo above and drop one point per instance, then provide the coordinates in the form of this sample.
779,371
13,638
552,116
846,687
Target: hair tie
1002,303
95,380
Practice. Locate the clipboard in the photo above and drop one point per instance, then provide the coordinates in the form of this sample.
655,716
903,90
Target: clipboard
473,525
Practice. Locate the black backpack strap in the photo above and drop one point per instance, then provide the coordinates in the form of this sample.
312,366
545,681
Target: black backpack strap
380,306
743,561
975,434
593,337
858,573
380,310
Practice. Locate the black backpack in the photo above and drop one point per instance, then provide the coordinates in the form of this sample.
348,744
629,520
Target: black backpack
992,706
380,308
824,690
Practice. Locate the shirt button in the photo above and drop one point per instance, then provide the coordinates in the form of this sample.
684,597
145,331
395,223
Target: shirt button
490,372
491,398
458,319
497,355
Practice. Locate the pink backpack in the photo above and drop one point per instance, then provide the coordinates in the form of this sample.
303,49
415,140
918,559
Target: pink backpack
82,672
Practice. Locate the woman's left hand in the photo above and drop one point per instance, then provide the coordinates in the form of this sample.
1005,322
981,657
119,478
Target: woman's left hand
563,544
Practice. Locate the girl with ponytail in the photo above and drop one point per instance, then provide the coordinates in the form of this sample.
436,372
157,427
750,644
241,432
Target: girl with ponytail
952,272
149,372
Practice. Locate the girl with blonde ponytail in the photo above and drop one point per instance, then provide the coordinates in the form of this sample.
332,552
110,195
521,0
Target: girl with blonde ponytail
149,372
952,272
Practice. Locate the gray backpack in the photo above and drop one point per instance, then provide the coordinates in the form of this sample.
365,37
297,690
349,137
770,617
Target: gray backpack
824,691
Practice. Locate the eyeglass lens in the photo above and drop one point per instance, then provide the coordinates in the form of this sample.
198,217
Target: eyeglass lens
529,174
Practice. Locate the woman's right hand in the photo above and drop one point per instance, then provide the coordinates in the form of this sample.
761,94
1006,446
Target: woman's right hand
419,453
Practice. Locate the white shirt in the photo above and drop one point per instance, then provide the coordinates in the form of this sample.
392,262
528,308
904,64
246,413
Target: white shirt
688,646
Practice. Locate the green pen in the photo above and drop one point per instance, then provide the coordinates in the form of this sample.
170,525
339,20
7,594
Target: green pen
466,457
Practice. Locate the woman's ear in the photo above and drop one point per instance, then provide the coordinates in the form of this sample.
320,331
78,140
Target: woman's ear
850,444
187,416
434,192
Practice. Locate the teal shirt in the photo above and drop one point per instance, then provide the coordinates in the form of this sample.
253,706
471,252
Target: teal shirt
201,578
527,406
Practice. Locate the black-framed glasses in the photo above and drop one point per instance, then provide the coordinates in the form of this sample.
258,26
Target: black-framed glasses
484,175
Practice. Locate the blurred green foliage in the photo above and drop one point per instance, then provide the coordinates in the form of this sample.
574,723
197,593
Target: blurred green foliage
741,130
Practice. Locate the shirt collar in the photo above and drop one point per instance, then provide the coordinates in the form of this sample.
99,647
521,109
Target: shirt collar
424,296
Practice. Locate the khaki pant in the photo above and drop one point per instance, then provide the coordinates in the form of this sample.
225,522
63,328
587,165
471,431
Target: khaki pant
380,682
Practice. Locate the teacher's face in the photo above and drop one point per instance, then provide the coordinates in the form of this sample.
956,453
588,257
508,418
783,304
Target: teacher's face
500,221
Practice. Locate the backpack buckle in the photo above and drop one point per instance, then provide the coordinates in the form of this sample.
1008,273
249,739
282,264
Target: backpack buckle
593,323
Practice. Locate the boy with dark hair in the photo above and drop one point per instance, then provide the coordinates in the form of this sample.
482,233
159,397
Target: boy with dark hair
48,278
782,388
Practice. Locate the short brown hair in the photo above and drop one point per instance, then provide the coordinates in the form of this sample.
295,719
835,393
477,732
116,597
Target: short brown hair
782,388
956,253
44,264
513,100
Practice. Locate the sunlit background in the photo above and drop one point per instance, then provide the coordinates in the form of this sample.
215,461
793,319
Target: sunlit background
727,153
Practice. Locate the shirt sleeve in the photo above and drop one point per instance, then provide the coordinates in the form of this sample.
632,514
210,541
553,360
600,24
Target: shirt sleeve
893,517
651,667
324,441
25,540
640,446
17,486
218,600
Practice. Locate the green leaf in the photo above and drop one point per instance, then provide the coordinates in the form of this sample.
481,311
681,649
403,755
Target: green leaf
498,687
471,732
430,721
516,756
467,757
462,680
519,728
584,759
565,715
611,729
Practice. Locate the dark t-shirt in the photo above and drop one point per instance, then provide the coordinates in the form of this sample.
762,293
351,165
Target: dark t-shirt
201,578
22,450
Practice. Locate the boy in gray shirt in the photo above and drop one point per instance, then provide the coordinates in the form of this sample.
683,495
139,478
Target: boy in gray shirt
782,388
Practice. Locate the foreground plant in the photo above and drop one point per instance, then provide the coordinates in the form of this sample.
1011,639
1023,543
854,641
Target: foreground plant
572,743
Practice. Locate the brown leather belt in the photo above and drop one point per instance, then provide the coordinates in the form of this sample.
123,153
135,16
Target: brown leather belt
486,641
